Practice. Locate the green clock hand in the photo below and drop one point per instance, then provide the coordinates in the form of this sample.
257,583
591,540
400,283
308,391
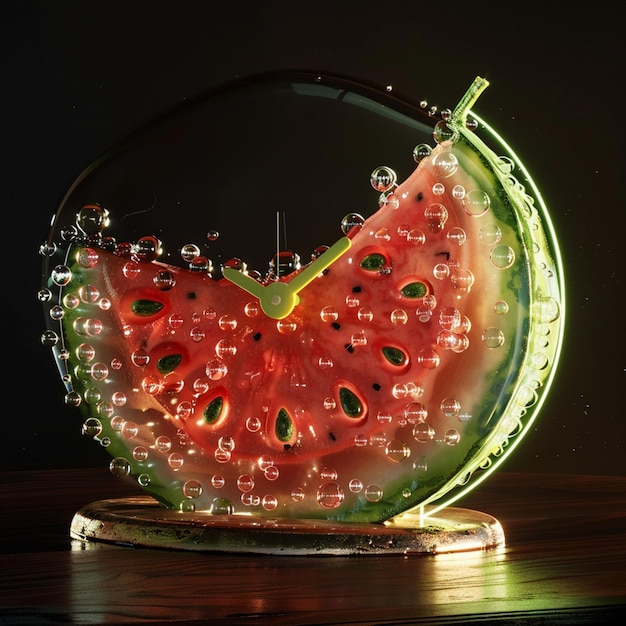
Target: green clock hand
247,283
314,269
278,299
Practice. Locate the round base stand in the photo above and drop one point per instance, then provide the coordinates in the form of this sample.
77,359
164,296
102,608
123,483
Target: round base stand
142,522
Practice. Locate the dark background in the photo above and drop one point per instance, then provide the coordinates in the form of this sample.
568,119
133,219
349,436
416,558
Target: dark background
79,76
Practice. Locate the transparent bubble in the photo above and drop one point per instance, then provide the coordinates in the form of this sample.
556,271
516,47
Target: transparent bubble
383,178
397,451
502,256
330,495
445,163
352,221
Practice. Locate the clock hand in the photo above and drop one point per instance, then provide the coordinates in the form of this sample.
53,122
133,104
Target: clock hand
314,269
278,299
247,283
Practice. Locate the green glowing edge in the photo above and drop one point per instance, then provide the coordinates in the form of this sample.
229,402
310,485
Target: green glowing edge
460,491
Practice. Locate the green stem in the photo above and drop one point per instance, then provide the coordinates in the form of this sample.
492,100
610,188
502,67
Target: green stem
459,115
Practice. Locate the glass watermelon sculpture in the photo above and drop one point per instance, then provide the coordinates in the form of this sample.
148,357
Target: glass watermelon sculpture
303,296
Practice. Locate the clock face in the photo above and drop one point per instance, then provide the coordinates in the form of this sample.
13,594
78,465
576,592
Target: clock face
302,296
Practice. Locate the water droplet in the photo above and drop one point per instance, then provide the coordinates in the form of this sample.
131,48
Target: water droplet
423,433
383,178
421,151
476,202
502,256
445,163
436,216
221,506
373,493
330,495
189,252
119,467
351,221
493,337
397,451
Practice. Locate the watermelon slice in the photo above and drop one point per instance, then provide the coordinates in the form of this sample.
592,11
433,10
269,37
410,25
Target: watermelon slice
416,358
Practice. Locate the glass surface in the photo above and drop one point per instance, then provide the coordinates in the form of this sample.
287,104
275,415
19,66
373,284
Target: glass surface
406,370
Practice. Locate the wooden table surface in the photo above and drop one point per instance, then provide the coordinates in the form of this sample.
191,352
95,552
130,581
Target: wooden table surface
564,562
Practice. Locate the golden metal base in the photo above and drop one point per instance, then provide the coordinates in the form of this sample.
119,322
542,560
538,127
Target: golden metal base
142,522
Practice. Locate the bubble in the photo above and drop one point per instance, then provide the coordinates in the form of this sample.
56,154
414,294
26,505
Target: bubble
436,216
476,202
352,221
450,407
423,433
252,309
61,275
212,235
329,314
373,493
490,234
129,430
445,163
397,451
163,444
442,132
92,427
225,348
221,506
147,248
329,474
421,151
384,417
49,339
502,256
217,481
175,461
298,494
441,271
119,467
265,461
428,358
415,412
360,440
250,499
189,252
451,437
286,326
546,309
449,318
73,399
99,371
92,219
330,495
500,307
352,301
539,360
416,237
253,424
140,453
221,455
269,502
458,192
245,483
87,258
399,317
355,485
271,472
492,337
164,280
383,178
456,235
